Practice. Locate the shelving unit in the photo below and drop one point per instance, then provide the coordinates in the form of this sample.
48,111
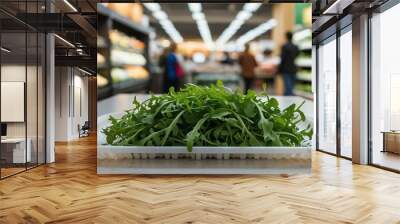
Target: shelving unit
112,23
303,86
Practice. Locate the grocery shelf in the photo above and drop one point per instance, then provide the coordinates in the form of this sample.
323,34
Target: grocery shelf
122,20
304,77
305,46
114,27
130,85
304,62
101,42
102,66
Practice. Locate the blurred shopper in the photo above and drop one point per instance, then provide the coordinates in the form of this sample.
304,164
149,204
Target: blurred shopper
227,60
162,62
173,70
248,63
287,66
267,69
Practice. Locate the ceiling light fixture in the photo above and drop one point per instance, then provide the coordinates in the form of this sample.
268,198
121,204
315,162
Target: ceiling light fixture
251,7
198,16
202,24
165,23
337,7
70,5
5,50
253,33
84,71
160,15
64,40
245,14
194,7
152,6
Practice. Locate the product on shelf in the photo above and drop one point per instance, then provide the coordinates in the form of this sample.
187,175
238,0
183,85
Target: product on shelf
128,72
121,40
100,59
119,75
137,72
304,87
133,11
101,42
209,116
101,81
124,9
119,57
304,75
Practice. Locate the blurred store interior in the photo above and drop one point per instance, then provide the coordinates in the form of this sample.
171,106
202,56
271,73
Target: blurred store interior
208,41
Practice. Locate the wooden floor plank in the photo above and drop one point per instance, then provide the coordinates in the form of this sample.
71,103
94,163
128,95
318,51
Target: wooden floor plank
70,191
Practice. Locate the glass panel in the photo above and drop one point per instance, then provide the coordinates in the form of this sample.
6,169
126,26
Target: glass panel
41,99
32,96
327,96
14,153
346,94
385,84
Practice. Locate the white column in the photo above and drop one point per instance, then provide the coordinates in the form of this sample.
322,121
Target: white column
360,90
50,99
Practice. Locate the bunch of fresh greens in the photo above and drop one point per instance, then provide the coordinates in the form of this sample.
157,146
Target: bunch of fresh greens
208,116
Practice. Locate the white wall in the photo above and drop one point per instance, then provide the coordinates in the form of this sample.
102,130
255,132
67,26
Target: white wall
15,73
71,102
33,126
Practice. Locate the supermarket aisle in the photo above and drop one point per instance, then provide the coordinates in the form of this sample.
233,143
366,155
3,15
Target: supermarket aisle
159,45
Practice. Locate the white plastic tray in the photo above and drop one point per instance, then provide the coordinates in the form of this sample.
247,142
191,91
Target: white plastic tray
202,160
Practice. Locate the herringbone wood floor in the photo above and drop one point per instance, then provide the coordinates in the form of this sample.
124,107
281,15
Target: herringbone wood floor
69,191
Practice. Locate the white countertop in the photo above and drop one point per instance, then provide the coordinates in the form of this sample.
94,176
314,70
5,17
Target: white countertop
13,140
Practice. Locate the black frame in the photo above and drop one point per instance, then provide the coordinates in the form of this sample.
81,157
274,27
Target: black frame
30,29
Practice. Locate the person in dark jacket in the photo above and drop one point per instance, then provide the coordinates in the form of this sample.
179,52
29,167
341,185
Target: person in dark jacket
162,62
288,67
171,63
248,63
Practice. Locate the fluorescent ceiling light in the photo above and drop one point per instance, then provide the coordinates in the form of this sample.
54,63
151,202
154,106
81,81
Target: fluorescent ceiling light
160,15
243,15
84,71
70,5
65,41
198,16
240,19
5,50
152,6
202,24
261,29
195,7
165,23
252,7
337,7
